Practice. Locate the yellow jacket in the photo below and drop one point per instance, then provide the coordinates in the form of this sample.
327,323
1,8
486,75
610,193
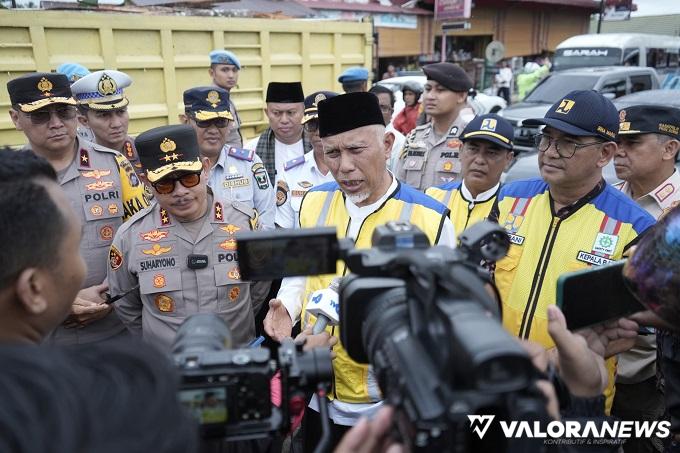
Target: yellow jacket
464,213
324,205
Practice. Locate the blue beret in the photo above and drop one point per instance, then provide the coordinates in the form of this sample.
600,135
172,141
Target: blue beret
354,74
224,57
73,71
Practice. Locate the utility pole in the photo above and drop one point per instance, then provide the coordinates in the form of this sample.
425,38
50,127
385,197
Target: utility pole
599,19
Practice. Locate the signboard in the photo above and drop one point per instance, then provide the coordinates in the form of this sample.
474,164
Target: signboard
409,21
452,9
617,9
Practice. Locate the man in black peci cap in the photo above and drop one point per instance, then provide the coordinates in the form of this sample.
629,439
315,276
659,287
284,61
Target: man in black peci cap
179,257
363,196
100,183
649,138
486,151
431,153
571,219
284,139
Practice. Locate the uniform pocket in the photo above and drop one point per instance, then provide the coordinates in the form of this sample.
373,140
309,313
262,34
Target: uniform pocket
231,291
162,291
413,166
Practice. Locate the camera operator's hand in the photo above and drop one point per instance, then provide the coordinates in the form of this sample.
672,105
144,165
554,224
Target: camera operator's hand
371,436
651,319
320,340
581,367
277,323
88,307
611,338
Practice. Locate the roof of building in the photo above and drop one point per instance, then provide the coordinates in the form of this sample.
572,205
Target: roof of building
661,25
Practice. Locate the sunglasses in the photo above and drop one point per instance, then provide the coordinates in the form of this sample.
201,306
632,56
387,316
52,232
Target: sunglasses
217,122
167,185
43,116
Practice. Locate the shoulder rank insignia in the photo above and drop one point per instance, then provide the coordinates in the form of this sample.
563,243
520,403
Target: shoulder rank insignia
84,158
165,218
294,162
218,213
241,154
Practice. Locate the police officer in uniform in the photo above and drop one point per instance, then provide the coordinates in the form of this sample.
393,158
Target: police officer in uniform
567,221
304,172
103,109
487,150
431,153
236,173
179,257
100,183
224,71
649,139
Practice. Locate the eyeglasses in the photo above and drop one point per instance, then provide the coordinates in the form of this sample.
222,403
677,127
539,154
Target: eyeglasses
312,126
565,148
167,185
44,115
217,122
386,108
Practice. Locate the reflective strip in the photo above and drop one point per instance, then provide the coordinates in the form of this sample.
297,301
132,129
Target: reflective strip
321,220
520,206
405,215
372,386
447,198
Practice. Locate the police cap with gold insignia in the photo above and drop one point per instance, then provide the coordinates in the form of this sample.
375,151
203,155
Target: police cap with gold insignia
650,119
168,149
102,90
31,92
582,113
348,111
489,127
207,103
450,75
285,92
312,102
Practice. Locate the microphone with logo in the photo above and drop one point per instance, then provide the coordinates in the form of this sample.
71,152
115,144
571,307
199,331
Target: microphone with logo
325,305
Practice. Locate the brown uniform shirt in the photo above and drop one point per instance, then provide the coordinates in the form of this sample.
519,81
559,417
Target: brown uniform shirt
427,160
104,191
152,251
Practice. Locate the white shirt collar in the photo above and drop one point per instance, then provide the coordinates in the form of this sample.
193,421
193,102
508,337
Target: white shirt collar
484,196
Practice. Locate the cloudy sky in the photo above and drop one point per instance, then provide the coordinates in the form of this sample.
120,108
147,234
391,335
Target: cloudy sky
656,7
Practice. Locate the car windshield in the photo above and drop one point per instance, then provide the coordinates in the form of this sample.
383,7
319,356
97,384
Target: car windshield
554,87
585,57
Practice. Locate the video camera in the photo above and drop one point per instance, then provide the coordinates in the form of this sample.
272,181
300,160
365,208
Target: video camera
228,391
424,319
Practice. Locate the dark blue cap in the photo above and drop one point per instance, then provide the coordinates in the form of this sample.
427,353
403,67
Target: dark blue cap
206,103
650,119
312,102
582,113
353,74
489,127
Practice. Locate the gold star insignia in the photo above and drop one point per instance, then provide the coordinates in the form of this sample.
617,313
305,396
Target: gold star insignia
166,158
165,219
218,208
174,156
83,158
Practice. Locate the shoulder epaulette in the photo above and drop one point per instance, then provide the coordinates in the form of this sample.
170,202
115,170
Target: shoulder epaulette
104,149
242,154
294,162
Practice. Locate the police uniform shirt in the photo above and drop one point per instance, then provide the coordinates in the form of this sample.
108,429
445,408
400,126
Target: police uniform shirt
299,175
240,175
153,250
429,160
104,191
660,200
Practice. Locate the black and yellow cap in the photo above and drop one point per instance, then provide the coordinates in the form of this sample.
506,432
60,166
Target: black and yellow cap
312,104
34,91
207,103
489,127
168,149
650,119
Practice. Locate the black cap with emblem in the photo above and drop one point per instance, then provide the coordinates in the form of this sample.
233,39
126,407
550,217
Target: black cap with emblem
168,149
31,92
285,92
650,119
348,111
450,75
206,103
312,103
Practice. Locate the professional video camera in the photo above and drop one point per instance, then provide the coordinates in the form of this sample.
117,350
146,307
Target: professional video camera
424,319
228,390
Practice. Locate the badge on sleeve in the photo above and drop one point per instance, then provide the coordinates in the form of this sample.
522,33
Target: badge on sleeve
164,303
260,175
281,192
115,258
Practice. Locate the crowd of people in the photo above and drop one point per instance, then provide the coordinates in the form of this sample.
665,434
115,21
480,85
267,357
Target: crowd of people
90,214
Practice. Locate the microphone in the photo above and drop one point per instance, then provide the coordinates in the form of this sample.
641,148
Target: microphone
325,305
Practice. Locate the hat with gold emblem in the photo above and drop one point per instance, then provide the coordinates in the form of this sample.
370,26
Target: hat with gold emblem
168,149
312,102
650,119
102,90
207,103
37,90
490,127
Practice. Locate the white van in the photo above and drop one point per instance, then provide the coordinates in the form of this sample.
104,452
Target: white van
618,49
